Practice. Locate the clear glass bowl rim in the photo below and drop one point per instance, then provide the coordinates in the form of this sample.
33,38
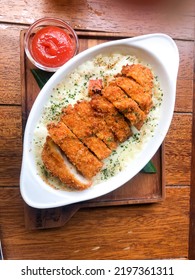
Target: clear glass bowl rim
47,20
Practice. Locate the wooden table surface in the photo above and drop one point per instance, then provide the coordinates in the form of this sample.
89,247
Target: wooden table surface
156,231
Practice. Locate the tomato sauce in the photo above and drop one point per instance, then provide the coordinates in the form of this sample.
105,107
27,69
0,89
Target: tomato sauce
52,46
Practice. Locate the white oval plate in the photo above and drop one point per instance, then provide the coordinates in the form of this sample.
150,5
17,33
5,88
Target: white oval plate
160,51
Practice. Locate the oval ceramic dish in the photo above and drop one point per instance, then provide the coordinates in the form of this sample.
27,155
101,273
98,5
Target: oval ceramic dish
161,53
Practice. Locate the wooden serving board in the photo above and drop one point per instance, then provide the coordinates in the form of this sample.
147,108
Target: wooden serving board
143,188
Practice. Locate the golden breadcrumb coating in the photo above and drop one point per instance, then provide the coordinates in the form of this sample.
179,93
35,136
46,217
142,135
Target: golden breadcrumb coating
96,123
112,117
127,106
84,132
141,74
136,92
75,150
55,162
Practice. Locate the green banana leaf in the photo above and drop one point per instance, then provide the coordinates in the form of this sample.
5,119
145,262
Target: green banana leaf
41,77
149,168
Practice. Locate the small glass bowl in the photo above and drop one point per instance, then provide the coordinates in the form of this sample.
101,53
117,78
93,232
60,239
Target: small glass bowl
39,24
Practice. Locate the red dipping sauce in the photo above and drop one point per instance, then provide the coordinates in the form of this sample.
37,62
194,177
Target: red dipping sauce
52,46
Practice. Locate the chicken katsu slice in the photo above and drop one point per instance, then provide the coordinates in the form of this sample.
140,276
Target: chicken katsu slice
75,150
97,124
136,92
114,120
59,166
141,74
106,135
95,86
127,106
84,132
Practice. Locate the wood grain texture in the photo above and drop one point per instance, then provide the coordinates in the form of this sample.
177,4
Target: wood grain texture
146,231
192,190
128,232
10,131
9,65
184,95
95,15
178,150
186,52
10,170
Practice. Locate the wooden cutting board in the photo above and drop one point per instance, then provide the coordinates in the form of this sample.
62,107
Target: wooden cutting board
143,188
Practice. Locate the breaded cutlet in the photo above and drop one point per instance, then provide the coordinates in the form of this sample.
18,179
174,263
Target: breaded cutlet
84,132
127,106
114,120
58,166
136,92
141,74
74,149
96,123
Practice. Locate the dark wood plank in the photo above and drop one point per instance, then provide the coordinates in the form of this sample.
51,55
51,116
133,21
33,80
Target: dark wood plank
186,52
192,192
10,131
178,150
10,64
10,170
188,8
48,218
92,15
122,232
184,95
